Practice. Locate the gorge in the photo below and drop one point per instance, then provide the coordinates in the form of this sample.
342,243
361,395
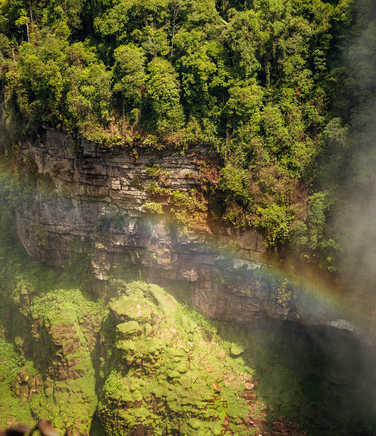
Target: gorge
81,210
187,198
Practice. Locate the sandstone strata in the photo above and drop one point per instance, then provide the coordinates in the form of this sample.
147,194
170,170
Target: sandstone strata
89,202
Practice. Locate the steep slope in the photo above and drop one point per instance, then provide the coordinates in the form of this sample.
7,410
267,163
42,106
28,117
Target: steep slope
138,360
149,361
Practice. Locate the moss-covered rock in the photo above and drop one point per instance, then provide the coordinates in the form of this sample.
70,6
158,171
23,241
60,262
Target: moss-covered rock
17,379
48,332
157,366
170,377
155,369
236,350
128,329
130,308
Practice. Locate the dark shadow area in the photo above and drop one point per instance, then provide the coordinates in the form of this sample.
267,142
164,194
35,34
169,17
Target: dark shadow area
320,377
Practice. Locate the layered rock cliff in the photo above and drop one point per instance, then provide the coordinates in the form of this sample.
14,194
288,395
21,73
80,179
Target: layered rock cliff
107,205
137,361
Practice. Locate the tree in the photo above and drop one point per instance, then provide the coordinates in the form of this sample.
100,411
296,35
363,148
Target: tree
130,77
163,96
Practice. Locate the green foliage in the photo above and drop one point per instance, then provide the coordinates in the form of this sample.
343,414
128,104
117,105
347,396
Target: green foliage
163,96
252,80
236,181
89,95
311,236
189,208
243,105
153,207
130,77
58,84
275,220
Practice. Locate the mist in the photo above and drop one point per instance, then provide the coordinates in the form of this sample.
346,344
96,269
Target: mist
349,161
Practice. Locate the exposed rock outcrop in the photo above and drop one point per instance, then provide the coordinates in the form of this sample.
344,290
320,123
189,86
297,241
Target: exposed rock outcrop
95,203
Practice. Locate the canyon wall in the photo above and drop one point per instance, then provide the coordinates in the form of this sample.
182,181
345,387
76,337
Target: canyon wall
99,204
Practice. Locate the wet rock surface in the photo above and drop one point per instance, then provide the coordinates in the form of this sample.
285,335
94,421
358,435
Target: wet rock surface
94,204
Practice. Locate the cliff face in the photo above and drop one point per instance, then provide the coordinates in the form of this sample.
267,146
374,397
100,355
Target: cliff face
95,204
142,362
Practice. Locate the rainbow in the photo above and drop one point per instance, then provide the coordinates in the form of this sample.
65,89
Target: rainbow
320,298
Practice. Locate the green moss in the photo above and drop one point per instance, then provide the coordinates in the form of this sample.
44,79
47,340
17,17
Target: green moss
131,308
65,322
236,350
40,234
153,207
158,173
55,324
147,357
129,328
13,396
172,376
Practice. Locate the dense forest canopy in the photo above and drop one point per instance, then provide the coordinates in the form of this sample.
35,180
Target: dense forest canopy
266,84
